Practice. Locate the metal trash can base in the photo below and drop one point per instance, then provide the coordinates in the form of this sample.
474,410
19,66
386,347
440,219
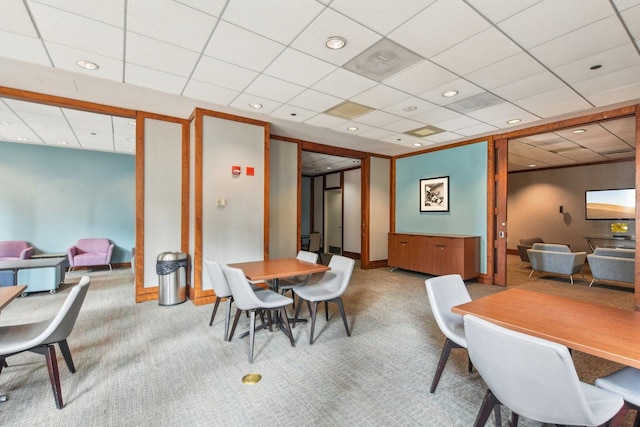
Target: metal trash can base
172,278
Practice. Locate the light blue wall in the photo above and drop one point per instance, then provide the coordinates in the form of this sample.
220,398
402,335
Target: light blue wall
466,167
53,196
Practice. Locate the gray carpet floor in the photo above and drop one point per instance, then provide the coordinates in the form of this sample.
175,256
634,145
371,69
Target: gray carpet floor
145,364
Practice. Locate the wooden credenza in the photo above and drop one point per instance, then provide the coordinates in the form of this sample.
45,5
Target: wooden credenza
436,254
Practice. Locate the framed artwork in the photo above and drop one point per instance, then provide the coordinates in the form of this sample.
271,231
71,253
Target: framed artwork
434,194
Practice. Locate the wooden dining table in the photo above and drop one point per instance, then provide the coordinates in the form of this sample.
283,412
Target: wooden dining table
274,269
608,332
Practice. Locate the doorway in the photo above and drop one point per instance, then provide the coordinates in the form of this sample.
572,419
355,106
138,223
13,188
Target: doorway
333,221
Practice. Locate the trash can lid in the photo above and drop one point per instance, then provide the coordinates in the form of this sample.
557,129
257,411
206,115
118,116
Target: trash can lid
172,256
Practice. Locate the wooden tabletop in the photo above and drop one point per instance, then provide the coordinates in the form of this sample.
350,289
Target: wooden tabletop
9,293
278,268
608,332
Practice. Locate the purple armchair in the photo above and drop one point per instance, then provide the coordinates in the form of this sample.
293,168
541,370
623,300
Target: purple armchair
15,249
89,253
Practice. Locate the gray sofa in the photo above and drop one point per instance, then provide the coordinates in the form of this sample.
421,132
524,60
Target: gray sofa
557,259
616,265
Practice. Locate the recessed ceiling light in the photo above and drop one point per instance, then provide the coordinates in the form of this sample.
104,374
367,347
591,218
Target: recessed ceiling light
577,131
417,144
87,64
5,123
329,168
62,143
532,166
335,42
22,138
450,93
595,67
255,105
293,114
352,128
410,108
514,121
132,122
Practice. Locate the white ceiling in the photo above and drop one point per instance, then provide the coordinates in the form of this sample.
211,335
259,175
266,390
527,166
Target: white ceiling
524,59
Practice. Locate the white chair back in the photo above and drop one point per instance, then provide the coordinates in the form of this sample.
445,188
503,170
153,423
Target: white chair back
243,295
535,378
307,256
218,279
336,280
445,292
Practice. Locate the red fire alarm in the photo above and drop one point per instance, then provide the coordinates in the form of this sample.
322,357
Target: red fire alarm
250,171
236,170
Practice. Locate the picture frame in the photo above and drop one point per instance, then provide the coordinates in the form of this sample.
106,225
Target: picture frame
434,194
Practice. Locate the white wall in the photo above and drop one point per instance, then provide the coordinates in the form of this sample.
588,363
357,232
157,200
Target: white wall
235,232
534,199
352,215
283,199
162,193
379,209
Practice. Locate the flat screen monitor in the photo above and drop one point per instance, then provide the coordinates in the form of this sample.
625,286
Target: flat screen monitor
611,204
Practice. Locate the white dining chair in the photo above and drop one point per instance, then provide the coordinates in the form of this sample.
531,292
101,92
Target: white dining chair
286,284
443,293
247,299
222,291
626,383
329,288
535,378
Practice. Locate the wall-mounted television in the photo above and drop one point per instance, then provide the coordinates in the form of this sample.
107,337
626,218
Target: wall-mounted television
610,204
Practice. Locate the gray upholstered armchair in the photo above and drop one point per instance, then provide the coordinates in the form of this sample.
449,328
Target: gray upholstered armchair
527,244
617,265
557,259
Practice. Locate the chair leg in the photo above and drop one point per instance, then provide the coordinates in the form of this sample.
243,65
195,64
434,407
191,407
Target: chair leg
227,317
110,269
444,356
326,311
532,270
488,404
235,323
313,308
295,317
283,313
252,333
215,309
344,317
514,419
64,349
49,352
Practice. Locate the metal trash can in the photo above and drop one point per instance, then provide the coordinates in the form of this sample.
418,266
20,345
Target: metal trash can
172,277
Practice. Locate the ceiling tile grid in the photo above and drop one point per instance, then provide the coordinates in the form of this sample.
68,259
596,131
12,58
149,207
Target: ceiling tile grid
526,60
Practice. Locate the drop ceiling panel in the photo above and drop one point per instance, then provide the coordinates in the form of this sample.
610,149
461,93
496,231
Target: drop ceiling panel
329,24
153,53
274,89
223,74
377,118
241,47
471,55
422,77
353,128
250,14
411,106
499,115
293,113
442,137
380,96
465,89
478,129
509,70
560,18
15,19
299,68
583,155
418,33
631,18
610,61
106,11
23,48
620,85
74,31
154,79
325,121
529,86
170,22
315,101
456,123
210,93
499,11
212,7
371,17
343,84
65,58
244,101
553,102
436,115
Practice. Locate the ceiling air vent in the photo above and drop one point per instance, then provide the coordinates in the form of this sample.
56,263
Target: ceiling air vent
349,110
424,131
